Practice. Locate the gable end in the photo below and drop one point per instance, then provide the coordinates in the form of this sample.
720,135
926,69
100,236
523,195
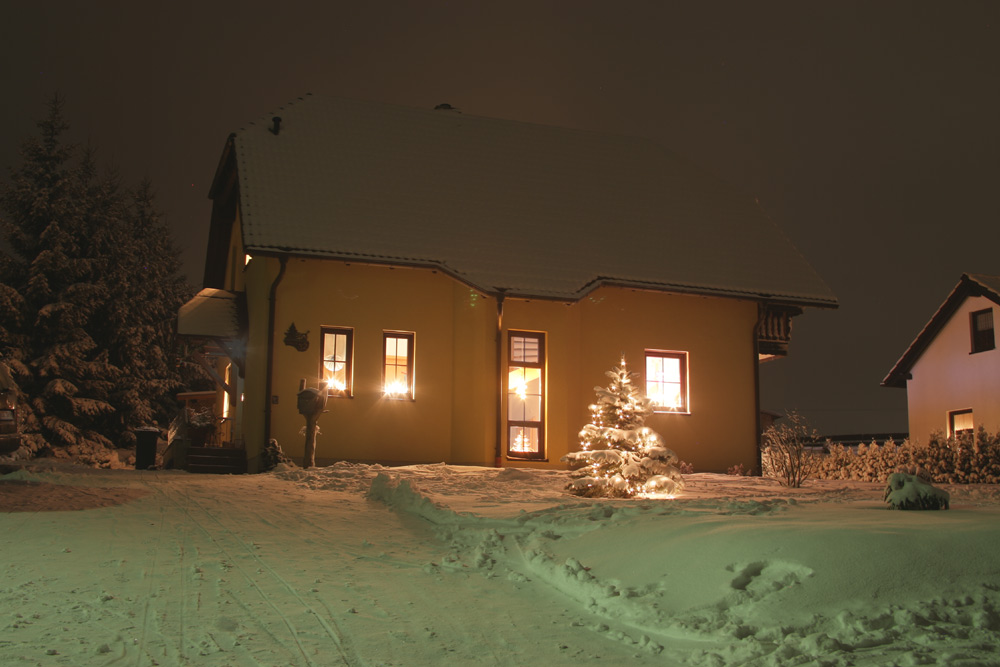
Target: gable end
971,285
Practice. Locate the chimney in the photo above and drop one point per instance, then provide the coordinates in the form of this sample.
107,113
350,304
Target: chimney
277,125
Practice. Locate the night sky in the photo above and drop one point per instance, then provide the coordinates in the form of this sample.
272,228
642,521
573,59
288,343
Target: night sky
867,130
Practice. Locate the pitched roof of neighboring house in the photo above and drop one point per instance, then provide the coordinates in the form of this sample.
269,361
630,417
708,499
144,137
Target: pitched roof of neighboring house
529,210
971,284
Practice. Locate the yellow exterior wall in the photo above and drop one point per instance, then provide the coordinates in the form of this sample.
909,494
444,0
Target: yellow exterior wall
450,322
258,276
587,338
453,416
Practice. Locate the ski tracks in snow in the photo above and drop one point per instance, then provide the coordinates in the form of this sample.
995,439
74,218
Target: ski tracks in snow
249,581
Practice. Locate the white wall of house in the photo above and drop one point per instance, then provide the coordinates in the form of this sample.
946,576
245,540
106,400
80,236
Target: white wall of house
948,377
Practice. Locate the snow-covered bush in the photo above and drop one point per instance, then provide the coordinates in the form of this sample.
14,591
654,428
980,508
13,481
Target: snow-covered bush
273,456
738,470
785,456
865,463
621,456
964,460
910,492
198,425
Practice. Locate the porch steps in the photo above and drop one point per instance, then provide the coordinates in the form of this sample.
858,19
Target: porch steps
217,460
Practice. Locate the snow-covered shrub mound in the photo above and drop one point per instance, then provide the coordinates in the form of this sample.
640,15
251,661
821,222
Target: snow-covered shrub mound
909,492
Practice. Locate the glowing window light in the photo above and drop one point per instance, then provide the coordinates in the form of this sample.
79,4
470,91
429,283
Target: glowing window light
666,380
397,365
518,385
526,394
336,367
960,423
396,389
524,440
669,400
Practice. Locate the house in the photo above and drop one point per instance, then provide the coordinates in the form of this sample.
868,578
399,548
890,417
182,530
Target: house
951,372
461,284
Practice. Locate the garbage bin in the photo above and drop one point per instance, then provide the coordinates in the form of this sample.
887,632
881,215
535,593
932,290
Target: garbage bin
145,447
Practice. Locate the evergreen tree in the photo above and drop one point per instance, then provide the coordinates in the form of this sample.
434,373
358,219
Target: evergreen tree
89,290
621,456
48,291
141,291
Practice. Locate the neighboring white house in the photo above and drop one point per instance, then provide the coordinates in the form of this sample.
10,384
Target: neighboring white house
951,372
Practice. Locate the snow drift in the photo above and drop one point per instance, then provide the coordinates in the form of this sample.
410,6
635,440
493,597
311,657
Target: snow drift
365,565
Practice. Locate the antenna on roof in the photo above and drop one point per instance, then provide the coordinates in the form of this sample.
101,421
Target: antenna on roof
277,125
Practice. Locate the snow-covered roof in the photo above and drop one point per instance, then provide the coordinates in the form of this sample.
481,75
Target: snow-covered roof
971,284
527,209
212,313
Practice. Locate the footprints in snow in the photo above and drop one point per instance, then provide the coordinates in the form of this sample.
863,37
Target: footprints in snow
761,578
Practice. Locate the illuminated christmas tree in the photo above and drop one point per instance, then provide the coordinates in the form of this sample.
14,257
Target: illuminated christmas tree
621,456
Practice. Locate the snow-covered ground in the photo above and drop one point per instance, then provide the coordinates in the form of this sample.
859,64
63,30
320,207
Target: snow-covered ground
436,564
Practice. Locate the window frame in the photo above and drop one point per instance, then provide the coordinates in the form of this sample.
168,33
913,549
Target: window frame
348,391
685,379
952,433
983,340
410,337
540,455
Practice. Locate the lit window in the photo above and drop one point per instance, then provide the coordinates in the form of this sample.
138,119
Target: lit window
982,330
960,423
397,365
338,358
667,380
526,396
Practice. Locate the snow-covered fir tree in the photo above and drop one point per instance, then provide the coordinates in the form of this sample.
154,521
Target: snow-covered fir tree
48,295
141,291
621,456
77,328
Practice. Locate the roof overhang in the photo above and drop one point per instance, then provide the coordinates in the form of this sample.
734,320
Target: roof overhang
212,314
572,295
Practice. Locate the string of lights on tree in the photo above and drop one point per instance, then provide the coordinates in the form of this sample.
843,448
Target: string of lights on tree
621,457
